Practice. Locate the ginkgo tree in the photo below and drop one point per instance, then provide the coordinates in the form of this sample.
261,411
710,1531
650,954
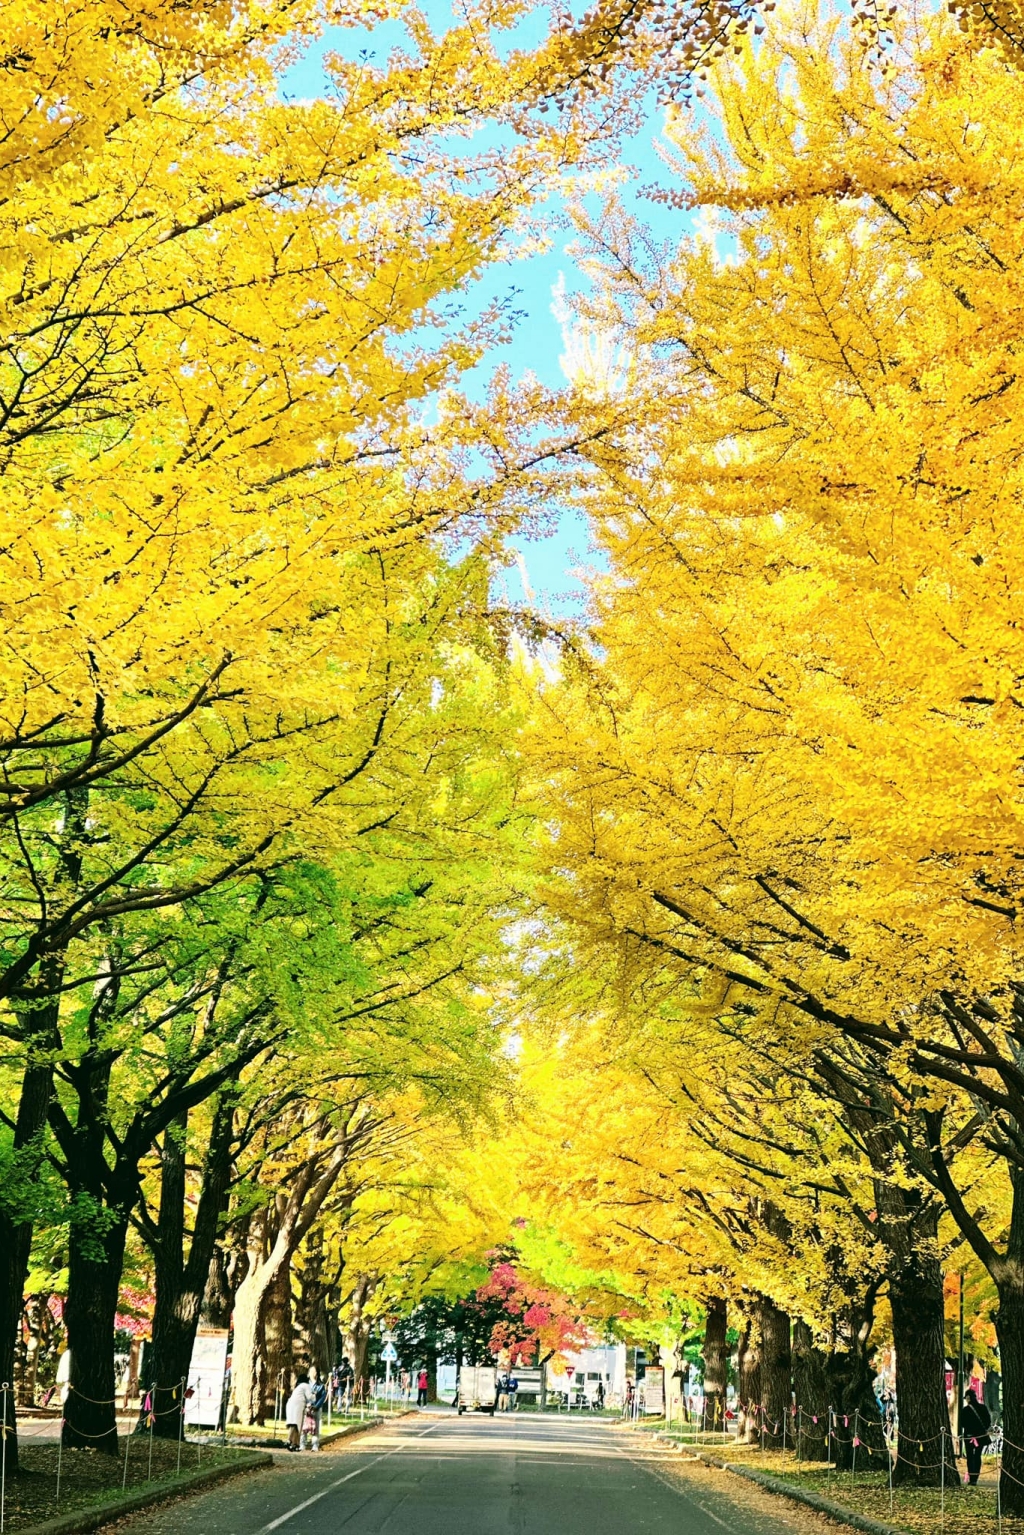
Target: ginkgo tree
220,488
788,779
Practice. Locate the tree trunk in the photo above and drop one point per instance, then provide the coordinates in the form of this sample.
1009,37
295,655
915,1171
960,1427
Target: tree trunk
279,1363
294,1213
357,1328
908,1226
810,1385
16,1238
95,1259
431,1362
218,1294
855,1411
248,1359
180,1283
776,1374
918,1328
1010,1332
748,1373
714,1355
34,1323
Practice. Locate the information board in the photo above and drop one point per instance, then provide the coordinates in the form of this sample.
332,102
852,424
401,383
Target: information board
654,1390
206,1377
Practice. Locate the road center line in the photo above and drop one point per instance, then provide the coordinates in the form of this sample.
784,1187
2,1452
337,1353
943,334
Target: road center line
300,1508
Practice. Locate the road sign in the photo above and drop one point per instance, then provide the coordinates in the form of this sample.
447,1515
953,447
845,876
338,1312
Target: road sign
389,1353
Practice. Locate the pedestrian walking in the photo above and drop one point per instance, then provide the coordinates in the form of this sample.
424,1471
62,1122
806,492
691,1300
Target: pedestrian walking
422,1387
600,1396
975,1429
503,1392
513,1387
295,1413
315,1408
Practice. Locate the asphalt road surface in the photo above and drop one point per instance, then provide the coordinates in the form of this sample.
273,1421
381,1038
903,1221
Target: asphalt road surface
518,1474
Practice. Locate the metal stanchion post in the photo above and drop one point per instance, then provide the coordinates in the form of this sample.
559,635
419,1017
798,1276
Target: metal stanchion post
999,1499
60,1452
942,1477
152,1421
784,1416
888,1452
3,1462
828,1452
799,1433
853,1462
127,1447
181,1425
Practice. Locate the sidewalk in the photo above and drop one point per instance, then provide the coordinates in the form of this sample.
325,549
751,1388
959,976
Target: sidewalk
864,1499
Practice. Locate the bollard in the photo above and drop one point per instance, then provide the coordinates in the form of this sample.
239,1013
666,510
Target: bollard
152,1420
181,1425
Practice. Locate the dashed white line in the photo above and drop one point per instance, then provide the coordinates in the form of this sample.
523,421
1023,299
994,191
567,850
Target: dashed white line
300,1508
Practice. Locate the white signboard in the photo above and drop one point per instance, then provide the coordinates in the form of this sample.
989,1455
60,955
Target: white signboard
205,1389
654,1390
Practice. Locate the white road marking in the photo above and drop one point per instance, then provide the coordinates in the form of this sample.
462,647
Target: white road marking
300,1508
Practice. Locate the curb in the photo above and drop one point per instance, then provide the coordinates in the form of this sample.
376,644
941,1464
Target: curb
834,1511
331,1436
102,1514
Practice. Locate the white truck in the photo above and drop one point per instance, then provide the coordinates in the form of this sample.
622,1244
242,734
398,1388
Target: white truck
477,1389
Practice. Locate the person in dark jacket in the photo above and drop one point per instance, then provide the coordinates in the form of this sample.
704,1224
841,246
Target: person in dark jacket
975,1429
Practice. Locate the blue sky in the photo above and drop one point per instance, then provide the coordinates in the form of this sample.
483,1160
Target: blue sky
536,344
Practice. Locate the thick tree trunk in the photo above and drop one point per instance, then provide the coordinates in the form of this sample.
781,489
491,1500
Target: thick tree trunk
95,1259
248,1368
16,1239
856,1420
918,1326
776,1374
908,1226
1010,1331
36,1311
811,1390
280,1362
1009,1276
291,1219
181,1283
219,1293
357,1327
748,1375
714,1354
431,1362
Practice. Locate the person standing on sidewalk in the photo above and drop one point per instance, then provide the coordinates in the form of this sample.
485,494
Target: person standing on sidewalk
295,1414
975,1430
422,1387
314,1408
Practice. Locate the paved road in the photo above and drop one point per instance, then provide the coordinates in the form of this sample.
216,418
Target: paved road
444,1475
